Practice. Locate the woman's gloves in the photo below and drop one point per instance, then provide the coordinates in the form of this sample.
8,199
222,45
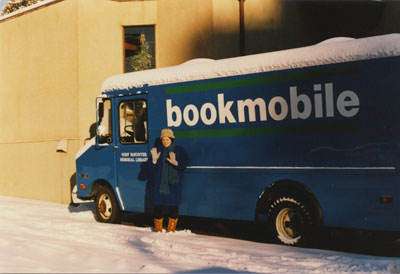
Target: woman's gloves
172,159
155,155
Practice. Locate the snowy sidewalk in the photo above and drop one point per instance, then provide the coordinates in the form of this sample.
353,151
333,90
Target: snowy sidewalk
47,237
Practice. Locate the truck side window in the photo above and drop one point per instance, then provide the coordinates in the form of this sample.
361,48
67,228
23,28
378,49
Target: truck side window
133,122
104,130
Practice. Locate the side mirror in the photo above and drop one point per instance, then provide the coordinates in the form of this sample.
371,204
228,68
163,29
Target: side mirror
100,110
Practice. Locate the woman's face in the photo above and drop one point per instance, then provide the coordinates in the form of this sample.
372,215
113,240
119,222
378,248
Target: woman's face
166,141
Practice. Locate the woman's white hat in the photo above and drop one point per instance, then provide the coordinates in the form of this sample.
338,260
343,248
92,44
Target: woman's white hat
166,132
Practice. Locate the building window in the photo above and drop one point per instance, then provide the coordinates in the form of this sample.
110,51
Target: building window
139,48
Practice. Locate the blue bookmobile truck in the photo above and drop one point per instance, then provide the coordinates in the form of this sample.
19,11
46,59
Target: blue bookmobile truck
297,139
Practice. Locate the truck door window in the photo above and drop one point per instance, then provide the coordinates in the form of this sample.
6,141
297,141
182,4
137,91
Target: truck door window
133,122
104,130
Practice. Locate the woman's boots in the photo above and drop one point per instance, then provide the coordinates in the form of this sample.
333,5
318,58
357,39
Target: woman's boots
158,225
172,225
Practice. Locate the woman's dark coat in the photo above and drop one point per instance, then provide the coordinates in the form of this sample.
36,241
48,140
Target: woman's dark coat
153,172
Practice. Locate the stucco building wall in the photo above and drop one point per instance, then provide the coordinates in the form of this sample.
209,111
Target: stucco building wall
39,91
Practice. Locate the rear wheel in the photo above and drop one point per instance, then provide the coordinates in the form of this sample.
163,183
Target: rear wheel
107,208
291,221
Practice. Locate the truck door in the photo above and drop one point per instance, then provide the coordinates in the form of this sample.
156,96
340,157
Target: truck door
131,150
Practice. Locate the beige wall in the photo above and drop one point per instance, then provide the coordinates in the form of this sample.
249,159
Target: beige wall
184,30
226,28
38,106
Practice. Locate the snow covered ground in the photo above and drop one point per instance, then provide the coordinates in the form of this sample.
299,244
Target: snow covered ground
47,237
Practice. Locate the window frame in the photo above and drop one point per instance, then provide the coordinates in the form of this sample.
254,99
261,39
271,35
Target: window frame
124,49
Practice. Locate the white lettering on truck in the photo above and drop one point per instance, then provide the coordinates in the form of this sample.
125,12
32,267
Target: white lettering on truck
301,107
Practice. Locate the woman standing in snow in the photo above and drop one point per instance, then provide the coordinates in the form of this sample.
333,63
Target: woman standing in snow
167,164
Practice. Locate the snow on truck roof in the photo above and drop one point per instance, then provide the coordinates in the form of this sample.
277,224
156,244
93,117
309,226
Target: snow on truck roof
335,50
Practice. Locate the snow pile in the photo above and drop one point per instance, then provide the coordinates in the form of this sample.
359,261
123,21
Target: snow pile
43,237
332,51
25,9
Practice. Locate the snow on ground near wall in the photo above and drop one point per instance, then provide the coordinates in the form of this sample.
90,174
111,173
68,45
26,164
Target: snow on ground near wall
336,50
47,237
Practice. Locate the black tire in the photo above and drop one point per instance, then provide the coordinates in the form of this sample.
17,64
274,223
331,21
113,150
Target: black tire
291,221
107,208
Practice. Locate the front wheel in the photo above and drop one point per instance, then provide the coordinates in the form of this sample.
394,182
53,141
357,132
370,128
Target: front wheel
291,221
107,208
